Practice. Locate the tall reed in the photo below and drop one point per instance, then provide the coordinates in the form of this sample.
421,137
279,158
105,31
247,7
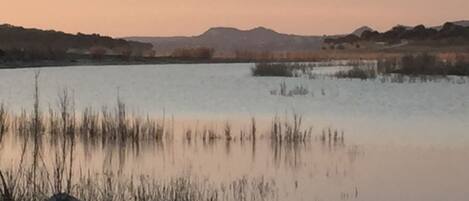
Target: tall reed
4,122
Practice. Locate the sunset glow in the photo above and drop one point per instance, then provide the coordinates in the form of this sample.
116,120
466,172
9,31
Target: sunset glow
191,17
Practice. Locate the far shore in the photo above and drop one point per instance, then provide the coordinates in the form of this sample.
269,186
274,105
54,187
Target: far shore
107,60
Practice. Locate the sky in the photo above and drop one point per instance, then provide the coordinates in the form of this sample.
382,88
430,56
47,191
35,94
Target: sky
121,18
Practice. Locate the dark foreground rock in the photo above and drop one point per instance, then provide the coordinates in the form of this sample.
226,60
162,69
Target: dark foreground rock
62,197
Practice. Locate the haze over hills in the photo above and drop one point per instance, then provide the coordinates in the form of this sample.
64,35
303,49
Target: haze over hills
226,41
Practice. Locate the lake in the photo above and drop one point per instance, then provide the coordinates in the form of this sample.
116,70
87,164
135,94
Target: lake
367,139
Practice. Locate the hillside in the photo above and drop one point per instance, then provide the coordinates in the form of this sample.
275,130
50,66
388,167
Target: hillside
464,23
18,43
359,31
229,41
448,34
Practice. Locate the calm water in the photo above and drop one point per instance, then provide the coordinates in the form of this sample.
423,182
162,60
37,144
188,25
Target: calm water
402,141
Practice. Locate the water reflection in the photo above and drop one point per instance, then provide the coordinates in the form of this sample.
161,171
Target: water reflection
278,145
283,161
288,152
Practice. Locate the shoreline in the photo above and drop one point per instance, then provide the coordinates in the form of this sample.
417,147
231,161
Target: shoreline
160,61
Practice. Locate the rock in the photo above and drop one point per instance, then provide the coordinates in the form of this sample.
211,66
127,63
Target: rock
62,197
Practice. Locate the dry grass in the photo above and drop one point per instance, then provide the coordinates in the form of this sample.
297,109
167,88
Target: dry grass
111,186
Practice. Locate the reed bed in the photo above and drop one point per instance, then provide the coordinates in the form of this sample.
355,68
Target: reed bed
112,186
298,90
35,180
3,122
357,73
107,126
281,69
290,131
426,64
116,127
332,136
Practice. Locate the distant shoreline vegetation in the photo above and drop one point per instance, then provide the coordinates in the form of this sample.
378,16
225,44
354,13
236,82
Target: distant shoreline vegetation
423,64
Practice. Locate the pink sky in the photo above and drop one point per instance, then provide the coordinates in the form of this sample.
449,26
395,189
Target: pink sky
191,17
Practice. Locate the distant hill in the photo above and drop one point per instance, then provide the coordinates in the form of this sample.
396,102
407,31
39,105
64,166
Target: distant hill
449,34
359,31
228,41
20,43
464,23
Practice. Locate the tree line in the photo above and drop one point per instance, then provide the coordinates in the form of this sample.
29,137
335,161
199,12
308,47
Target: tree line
450,33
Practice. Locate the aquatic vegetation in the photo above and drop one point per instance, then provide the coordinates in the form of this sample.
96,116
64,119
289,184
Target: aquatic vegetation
107,126
111,186
37,177
37,180
270,69
425,64
298,90
331,136
281,69
289,131
3,121
358,73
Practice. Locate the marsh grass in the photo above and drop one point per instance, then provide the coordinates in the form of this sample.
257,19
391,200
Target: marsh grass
291,131
357,73
112,186
298,90
281,69
287,136
37,180
332,137
3,122
425,64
